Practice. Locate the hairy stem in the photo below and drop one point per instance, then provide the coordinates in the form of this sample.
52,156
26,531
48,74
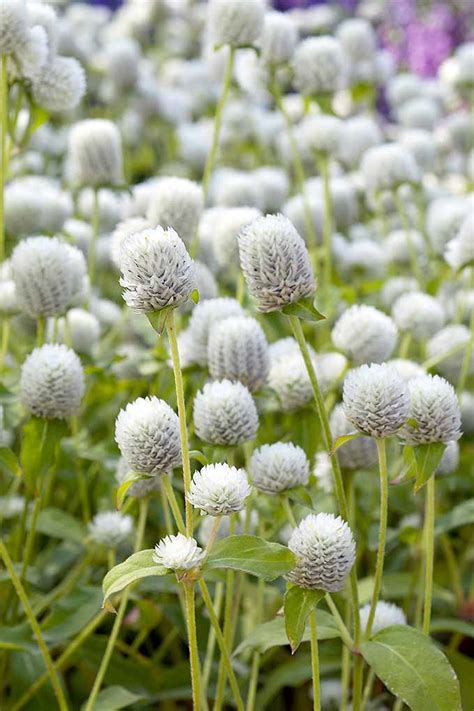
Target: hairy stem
315,660
428,545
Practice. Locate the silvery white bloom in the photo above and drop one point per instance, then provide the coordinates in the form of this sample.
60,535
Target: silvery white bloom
358,39
178,553
376,399
466,403
52,382
319,66
435,409
275,263
225,413
322,471
444,218
206,283
8,299
35,204
329,368
107,312
460,250
48,275
139,489
11,506
450,459
273,185
95,153
219,489
278,40
459,129
238,23
220,228
204,317
83,328
445,341
277,467
420,143
124,230
407,369
31,54
418,314
121,61
238,350
80,233
285,347
358,135
61,84
359,453
364,259
386,615
399,245
344,199
288,378
402,88
319,134
157,270
388,166
365,334
176,203
110,528
421,112
147,434
235,188
13,25
40,14
325,552
395,287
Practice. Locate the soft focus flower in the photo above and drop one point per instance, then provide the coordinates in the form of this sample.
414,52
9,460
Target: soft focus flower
365,334
388,166
418,314
435,409
238,23
61,84
386,615
95,153
276,467
205,317
359,453
278,40
176,203
454,337
288,378
225,413
460,250
13,25
319,66
178,553
110,528
219,489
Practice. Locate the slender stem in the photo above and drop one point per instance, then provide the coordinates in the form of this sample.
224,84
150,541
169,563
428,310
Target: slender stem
253,683
20,591
92,252
192,642
228,627
178,380
404,345
435,360
368,688
466,362
172,501
315,660
81,476
3,148
327,224
30,539
415,267
211,641
429,551
288,510
453,569
213,534
5,341
382,532
345,636
40,331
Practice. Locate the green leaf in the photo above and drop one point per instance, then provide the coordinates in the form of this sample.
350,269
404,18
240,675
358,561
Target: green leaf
71,614
60,524
198,456
137,566
428,457
273,634
114,698
343,439
39,443
304,309
460,515
297,606
130,479
195,296
413,668
158,319
300,495
252,555
9,461
18,637
448,624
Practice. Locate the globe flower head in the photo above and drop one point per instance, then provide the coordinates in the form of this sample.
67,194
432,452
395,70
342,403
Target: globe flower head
60,85
444,218
157,271
319,66
376,400
322,472
442,343
325,552
238,350
418,314
386,615
219,490
388,166
48,274
450,460
277,467
273,186
358,39
420,143
407,369
238,23
395,287
220,228
288,378
435,409
52,382
319,135
358,135
460,250
124,230
225,413
275,263
8,299
35,204
205,317
147,434
399,246
329,368
13,25
83,328
365,334
176,203
359,453
95,153
279,38
110,528
178,553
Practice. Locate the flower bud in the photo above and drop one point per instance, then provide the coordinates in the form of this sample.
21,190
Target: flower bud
277,467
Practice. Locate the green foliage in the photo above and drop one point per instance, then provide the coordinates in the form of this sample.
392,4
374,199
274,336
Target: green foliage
139,565
297,606
252,555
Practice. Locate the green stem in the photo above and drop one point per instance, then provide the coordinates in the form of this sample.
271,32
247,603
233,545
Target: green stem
81,475
466,362
253,683
211,641
415,267
40,331
228,627
192,642
315,660
404,345
328,220
5,341
92,252
345,636
435,360
30,539
368,688
288,510
428,542
20,591
382,532
173,503
3,148
453,569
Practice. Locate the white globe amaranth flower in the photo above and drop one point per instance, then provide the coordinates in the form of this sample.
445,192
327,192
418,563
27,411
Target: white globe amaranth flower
288,378
395,287
278,40
459,251
356,137
124,231
400,245
95,153
325,552
364,259
238,350
358,39
225,413
122,62
444,218
157,270
286,347
376,400
48,275
177,203
83,328
31,54
453,337
435,409
35,204
365,334
238,23
330,368
273,186
220,228
322,471
450,459
13,25
402,88
388,166
386,615
178,553
107,312
52,382
206,282
8,299
61,84
359,453
319,66
277,467
319,135
205,317
219,489
406,368
147,434
418,314
424,150
141,488
275,263
421,112
110,528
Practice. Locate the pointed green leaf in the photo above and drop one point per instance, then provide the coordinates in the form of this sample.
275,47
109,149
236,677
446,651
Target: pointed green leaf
158,319
428,457
195,296
304,309
273,634
9,461
137,566
114,698
252,555
130,479
343,439
460,515
198,457
40,440
297,606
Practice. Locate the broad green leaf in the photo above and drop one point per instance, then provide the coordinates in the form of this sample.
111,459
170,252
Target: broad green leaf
273,634
460,515
428,457
9,461
18,637
40,439
137,566
343,439
464,668
297,607
114,698
304,309
452,624
252,555
413,668
60,524
71,614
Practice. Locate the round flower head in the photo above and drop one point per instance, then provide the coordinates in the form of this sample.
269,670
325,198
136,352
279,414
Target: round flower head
388,166
273,187
225,413
420,143
322,472
139,489
147,434
444,218
319,66
52,382
365,334
395,287
219,490
407,369
110,528
376,400
460,250
278,39
435,409
238,350
61,84
359,453
176,203
443,342
329,368
288,378
223,224
123,232
205,317
95,153
83,328
358,39
402,88
238,23
363,259
277,467
13,25
157,270
419,315
275,263
399,246
358,135
325,552
35,204
8,299
178,553
450,459
320,134
386,615
48,275
30,55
